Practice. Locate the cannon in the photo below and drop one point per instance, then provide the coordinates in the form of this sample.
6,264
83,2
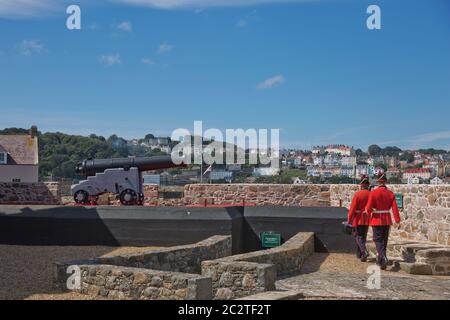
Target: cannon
121,176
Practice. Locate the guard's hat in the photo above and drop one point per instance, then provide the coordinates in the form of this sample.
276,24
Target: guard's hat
364,180
382,177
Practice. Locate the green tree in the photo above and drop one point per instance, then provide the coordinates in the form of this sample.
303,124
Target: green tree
374,150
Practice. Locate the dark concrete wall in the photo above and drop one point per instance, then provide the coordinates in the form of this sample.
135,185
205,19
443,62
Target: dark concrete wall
168,226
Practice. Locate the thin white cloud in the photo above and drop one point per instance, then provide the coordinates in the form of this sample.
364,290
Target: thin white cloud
432,137
271,82
125,26
165,48
110,59
242,23
183,4
424,140
147,61
245,21
30,47
28,8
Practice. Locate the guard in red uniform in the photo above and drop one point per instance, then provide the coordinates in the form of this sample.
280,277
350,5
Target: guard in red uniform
381,201
359,219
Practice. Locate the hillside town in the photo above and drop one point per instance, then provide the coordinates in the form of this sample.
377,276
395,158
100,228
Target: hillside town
24,152
323,164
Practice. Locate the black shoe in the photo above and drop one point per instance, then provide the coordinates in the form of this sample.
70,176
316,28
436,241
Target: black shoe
384,263
364,256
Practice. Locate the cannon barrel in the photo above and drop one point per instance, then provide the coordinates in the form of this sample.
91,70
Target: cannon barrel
91,167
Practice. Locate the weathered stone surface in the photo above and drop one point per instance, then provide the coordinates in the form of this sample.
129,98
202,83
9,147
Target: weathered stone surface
250,273
426,212
416,268
353,285
140,276
179,258
44,193
275,295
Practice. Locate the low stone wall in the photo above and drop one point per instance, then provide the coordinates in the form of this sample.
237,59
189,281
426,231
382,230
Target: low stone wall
157,274
179,259
44,193
426,212
250,273
418,257
259,194
133,283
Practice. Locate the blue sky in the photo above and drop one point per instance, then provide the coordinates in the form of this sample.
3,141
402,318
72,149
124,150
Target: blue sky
310,68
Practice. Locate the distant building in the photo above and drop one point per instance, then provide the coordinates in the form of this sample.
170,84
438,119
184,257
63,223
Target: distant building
220,175
334,149
392,173
312,171
436,181
299,181
340,149
152,179
19,159
362,169
348,161
159,141
422,173
348,172
413,180
234,167
265,171
433,167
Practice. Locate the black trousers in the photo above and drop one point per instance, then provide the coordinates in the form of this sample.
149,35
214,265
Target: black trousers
381,237
360,235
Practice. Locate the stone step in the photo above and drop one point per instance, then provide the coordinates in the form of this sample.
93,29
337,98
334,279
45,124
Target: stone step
416,257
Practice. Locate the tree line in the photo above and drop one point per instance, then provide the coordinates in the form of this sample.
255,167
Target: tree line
59,152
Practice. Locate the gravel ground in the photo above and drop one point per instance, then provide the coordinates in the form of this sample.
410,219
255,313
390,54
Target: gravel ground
26,272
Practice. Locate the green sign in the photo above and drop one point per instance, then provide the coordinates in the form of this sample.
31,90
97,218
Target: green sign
399,200
270,239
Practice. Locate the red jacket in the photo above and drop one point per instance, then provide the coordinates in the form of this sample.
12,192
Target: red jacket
357,215
381,201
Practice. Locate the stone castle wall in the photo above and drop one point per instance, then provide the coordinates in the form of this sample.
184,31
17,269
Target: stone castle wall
46,193
258,194
425,214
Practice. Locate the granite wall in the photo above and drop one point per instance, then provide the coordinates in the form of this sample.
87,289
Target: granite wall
115,282
426,212
259,194
43,193
179,258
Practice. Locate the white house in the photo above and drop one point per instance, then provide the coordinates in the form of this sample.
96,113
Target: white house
299,181
265,171
19,160
436,180
413,180
422,173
